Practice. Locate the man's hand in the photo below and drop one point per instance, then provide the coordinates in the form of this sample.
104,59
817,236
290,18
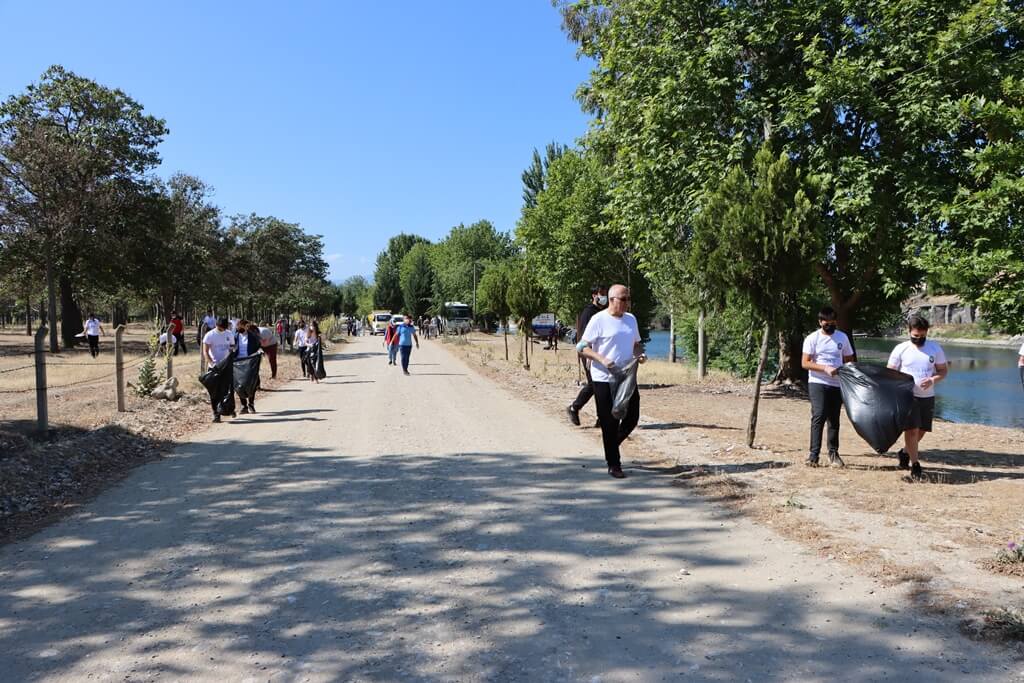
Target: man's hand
831,371
928,382
610,365
642,358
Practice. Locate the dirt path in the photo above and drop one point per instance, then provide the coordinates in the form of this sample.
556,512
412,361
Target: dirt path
433,527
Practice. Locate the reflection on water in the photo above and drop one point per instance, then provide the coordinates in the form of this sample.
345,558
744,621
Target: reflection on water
983,386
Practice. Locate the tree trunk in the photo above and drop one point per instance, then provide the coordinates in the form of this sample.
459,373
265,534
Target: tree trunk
752,425
526,355
505,328
790,355
702,353
51,317
28,317
671,337
70,314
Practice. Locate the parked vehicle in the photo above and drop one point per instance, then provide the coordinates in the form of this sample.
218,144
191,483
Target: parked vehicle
378,321
459,317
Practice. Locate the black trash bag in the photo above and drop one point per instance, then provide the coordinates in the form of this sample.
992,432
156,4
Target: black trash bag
247,376
218,381
623,388
227,404
878,402
315,361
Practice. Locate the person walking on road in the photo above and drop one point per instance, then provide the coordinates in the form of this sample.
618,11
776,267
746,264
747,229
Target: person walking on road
300,344
247,343
406,336
314,356
391,341
925,361
269,341
611,340
217,346
824,352
93,330
598,302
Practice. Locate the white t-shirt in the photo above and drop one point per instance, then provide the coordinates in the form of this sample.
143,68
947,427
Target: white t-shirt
220,344
300,337
210,321
232,323
613,338
268,337
826,350
163,338
92,327
243,346
1021,352
919,363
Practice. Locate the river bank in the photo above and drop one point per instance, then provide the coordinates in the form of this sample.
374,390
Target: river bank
938,537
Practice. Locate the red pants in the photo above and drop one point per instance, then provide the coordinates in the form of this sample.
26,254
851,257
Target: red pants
271,352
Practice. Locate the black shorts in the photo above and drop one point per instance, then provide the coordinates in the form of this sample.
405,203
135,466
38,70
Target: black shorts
921,413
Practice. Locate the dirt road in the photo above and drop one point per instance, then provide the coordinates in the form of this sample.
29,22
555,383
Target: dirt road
381,528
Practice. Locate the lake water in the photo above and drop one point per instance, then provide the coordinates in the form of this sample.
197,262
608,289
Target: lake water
983,386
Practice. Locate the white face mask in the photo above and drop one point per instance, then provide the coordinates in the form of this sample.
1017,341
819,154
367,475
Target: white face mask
602,300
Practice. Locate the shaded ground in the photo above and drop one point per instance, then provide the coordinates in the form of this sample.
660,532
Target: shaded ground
381,527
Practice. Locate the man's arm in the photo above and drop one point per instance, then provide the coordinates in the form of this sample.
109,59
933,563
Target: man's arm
941,371
639,352
808,364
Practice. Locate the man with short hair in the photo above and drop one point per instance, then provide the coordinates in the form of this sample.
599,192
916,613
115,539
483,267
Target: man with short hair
612,340
300,344
406,336
598,301
925,361
93,330
217,346
824,352
178,332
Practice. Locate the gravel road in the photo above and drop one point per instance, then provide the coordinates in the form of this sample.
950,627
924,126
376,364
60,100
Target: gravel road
378,527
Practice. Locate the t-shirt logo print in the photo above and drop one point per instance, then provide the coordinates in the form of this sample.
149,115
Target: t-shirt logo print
840,345
931,359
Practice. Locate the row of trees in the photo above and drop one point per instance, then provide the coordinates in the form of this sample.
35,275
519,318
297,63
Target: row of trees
763,158
85,223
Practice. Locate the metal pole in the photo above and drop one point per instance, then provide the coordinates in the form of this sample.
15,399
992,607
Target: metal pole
702,369
42,414
119,365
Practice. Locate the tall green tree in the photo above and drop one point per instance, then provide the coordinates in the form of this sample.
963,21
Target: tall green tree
535,175
462,257
71,151
492,296
417,278
352,290
526,299
387,277
756,239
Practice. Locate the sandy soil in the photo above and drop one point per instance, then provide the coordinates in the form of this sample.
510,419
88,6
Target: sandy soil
940,535
377,527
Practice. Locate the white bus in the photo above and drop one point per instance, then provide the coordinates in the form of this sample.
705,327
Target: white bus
459,317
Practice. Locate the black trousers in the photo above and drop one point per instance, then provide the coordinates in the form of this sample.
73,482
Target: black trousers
614,432
586,391
826,404
179,342
302,359
94,344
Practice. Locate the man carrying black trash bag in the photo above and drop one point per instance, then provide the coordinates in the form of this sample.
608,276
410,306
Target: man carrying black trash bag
925,361
218,345
612,340
824,352
598,301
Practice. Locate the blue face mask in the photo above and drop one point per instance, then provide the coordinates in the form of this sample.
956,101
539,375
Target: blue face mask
602,300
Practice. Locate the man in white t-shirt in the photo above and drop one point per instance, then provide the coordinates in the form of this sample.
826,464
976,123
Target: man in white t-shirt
824,352
93,330
925,361
300,344
611,340
217,345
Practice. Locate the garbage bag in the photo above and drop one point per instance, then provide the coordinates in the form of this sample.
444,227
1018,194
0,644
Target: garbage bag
247,375
878,402
218,381
315,361
623,388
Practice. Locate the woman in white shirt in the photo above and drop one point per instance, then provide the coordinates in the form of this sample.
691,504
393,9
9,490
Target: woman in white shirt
300,345
93,330
925,361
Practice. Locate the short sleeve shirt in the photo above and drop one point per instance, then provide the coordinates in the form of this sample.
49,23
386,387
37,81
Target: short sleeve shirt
613,338
92,328
405,333
300,338
828,350
919,363
1021,352
210,321
220,344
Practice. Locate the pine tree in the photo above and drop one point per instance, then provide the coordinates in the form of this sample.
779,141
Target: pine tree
149,378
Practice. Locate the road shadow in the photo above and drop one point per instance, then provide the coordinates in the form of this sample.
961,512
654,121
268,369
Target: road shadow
295,560
682,425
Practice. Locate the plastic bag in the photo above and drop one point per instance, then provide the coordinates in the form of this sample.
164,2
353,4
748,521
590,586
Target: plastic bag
247,375
218,380
623,388
878,402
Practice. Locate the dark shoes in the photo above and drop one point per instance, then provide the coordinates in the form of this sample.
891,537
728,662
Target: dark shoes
812,461
245,410
252,408
835,461
216,418
904,460
916,472
616,472
574,415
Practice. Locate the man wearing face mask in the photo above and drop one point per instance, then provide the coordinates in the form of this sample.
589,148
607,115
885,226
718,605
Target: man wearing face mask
824,352
925,361
598,302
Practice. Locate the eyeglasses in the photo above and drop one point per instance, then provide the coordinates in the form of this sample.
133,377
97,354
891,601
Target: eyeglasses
621,298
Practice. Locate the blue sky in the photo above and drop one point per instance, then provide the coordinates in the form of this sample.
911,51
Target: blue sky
358,120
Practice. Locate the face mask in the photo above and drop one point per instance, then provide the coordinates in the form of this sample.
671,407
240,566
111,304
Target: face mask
918,341
602,300
829,328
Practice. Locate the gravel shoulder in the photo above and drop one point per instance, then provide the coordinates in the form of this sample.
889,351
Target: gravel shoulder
438,527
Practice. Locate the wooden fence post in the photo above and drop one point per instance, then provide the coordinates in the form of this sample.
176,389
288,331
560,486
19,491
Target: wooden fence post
119,366
42,414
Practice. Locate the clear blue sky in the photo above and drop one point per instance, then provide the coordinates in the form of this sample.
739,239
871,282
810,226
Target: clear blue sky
358,120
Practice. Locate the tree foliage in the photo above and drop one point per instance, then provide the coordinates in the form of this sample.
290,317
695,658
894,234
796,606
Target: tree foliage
387,277
417,279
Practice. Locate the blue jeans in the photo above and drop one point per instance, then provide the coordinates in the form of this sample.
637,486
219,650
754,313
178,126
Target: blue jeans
406,352
392,352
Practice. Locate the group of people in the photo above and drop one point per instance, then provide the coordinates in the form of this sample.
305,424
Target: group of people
225,348
398,340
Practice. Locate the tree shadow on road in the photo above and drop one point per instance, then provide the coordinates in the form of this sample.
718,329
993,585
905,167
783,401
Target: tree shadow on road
482,565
